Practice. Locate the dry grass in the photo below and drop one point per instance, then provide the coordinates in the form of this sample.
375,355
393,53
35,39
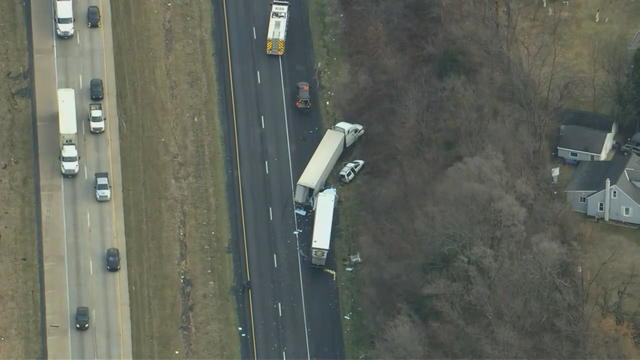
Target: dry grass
20,336
331,67
586,46
176,221
611,253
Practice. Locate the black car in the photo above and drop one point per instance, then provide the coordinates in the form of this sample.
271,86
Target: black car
95,87
113,259
93,17
303,100
82,318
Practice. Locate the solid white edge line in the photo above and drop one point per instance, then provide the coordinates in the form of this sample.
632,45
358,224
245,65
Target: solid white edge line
64,215
295,217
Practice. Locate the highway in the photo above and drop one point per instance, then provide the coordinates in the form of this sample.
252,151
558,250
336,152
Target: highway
293,308
76,229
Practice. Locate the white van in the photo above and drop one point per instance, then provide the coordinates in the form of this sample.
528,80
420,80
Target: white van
64,18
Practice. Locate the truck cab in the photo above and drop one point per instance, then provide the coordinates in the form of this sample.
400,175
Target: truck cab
352,132
69,160
64,18
96,119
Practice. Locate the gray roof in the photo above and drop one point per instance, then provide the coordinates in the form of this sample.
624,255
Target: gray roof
629,179
590,175
582,139
587,119
622,170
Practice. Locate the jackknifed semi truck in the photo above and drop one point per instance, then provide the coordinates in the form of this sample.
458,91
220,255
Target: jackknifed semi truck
277,31
68,129
322,225
335,140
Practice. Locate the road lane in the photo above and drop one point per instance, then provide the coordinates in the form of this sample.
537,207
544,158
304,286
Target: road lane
87,228
284,139
278,306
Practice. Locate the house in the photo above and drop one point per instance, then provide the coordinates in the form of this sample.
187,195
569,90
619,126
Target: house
607,189
585,136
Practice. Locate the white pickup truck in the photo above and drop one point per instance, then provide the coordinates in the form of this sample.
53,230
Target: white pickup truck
96,118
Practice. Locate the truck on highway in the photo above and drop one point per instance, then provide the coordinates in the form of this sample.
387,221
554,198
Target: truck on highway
96,118
63,16
277,32
67,126
335,140
322,224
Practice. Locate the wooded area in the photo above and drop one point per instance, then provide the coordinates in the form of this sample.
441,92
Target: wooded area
468,252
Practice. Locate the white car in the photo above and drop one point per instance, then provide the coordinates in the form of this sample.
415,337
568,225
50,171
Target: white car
350,170
103,187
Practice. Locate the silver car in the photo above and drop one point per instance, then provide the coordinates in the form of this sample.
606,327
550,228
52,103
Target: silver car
350,170
103,187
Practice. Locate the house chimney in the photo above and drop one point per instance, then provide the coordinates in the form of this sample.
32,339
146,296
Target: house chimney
607,195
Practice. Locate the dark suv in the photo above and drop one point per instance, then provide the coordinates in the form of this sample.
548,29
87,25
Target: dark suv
113,259
93,16
82,318
96,90
303,100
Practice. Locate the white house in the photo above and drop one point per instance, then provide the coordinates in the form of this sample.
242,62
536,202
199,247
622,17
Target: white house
607,189
585,136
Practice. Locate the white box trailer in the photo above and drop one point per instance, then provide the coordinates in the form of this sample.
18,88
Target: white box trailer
335,140
277,31
322,162
322,226
68,129
67,123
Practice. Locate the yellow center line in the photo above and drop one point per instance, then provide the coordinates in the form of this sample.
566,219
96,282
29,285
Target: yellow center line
235,134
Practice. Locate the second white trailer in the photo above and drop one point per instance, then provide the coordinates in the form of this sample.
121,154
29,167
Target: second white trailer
322,226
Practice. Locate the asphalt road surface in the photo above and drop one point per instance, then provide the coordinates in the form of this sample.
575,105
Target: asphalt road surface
77,229
294,307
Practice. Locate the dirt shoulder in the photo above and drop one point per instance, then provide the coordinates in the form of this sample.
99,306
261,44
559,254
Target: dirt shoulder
19,287
176,221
